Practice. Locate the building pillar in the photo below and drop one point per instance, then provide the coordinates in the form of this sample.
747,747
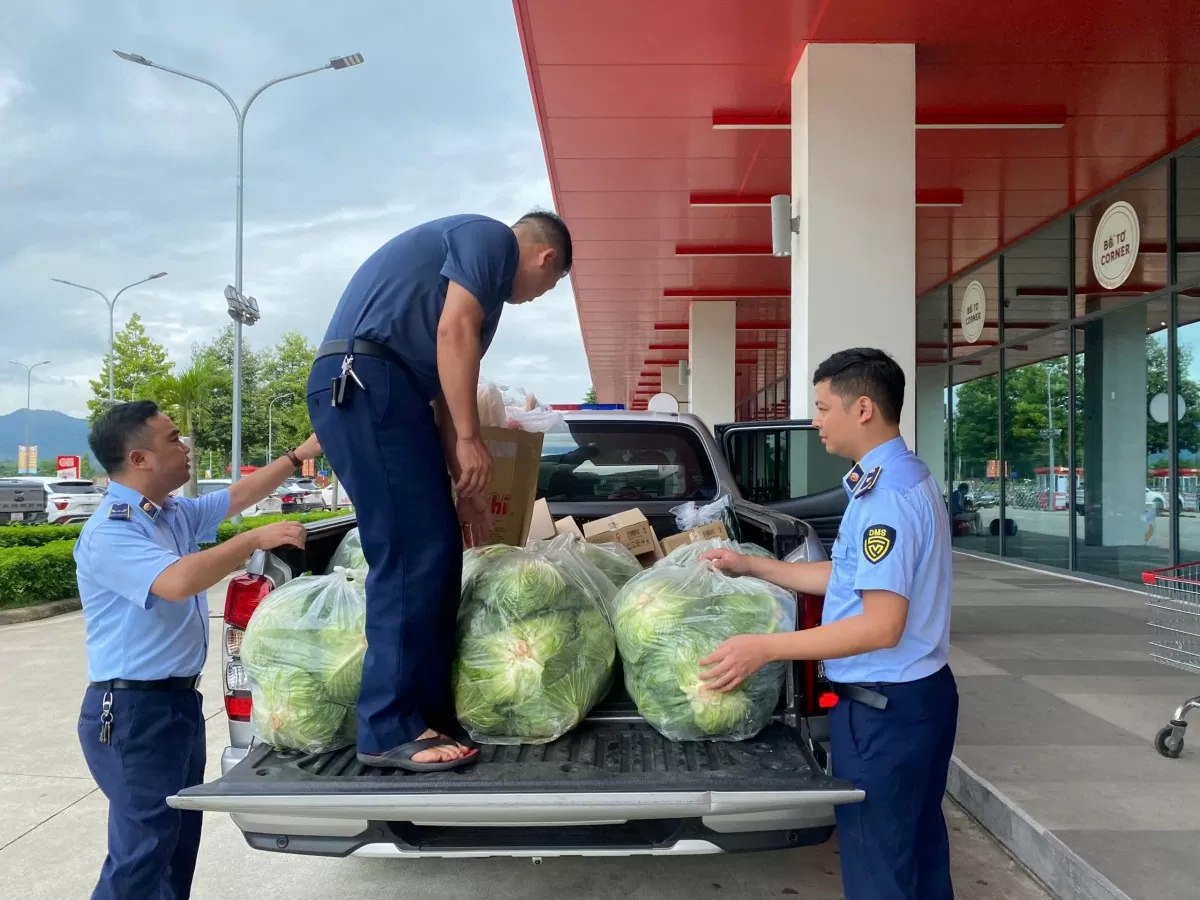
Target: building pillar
673,386
854,192
712,337
929,395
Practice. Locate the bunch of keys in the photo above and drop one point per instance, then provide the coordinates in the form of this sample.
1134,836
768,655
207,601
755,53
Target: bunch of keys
339,382
106,719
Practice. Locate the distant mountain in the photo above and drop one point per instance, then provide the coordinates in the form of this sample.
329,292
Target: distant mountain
52,432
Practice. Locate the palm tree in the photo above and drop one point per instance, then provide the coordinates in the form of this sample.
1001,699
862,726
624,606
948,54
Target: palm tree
187,397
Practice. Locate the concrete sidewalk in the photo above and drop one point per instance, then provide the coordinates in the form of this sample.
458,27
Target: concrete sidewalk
1055,755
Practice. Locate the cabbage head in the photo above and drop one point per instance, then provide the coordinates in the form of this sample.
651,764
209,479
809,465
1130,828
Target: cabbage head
668,619
303,654
535,648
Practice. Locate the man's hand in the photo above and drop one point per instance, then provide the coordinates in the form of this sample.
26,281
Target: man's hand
279,534
474,466
735,660
310,449
728,562
475,513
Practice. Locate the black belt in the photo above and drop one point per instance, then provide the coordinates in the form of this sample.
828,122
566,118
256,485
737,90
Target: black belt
162,684
359,347
860,693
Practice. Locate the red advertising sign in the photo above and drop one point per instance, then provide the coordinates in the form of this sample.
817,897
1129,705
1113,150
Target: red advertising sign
68,467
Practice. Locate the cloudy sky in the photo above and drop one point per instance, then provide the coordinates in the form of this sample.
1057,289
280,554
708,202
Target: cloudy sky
111,171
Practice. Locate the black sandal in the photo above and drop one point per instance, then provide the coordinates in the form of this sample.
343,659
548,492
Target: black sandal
402,757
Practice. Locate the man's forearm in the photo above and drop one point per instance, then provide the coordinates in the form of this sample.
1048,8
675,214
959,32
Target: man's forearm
198,572
249,489
803,578
447,433
458,372
846,637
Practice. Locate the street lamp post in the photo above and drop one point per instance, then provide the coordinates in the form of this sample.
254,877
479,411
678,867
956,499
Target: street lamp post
340,62
28,398
112,305
271,406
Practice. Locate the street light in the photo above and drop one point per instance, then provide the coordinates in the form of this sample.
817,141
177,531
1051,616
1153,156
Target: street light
269,407
337,63
112,305
28,398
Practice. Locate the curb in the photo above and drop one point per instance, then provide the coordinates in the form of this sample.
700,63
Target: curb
40,611
1061,870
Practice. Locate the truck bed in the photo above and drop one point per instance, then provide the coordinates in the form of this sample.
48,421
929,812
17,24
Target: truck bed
595,757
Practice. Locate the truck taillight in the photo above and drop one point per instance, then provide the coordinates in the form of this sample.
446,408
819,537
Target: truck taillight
241,600
816,696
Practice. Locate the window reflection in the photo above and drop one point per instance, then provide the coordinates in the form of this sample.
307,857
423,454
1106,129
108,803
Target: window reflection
973,499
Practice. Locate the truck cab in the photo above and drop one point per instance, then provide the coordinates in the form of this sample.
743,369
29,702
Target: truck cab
613,786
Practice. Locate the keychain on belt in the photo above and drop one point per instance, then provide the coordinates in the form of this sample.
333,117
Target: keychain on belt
106,718
339,381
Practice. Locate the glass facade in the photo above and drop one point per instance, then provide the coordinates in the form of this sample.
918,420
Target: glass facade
1058,385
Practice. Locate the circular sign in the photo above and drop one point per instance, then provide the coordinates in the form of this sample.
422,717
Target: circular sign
663,403
973,313
1159,404
1115,246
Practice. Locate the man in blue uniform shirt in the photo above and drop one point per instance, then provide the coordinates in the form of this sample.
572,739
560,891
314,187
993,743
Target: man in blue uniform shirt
393,398
142,580
884,637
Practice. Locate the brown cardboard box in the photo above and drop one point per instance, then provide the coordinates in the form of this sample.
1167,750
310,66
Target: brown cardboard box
568,526
516,458
541,523
630,528
709,532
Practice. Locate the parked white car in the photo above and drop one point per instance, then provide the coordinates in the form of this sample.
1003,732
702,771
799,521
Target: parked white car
343,502
68,500
268,507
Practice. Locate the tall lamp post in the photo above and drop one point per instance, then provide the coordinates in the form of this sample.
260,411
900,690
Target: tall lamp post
28,398
112,305
271,406
238,307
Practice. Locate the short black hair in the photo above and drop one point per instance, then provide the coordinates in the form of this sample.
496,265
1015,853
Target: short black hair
865,372
114,433
550,229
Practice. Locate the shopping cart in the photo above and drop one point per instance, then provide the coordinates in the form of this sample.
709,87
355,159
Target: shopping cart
1173,596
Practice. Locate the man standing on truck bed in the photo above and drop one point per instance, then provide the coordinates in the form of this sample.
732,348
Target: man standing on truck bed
884,637
393,398
142,581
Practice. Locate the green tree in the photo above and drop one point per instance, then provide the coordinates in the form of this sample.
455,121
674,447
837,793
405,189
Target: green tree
137,361
188,397
590,396
216,433
285,369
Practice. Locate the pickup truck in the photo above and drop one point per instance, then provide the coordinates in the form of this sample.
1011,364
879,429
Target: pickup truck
614,786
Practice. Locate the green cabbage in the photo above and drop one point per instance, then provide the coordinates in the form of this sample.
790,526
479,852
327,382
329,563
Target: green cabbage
616,561
671,617
303,655
349,554
535,650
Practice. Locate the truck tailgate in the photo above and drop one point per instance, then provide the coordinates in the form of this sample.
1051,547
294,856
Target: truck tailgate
600,773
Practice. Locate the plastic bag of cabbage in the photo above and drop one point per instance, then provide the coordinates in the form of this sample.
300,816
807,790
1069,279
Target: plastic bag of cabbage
671,617
615,561
687,554
535,647
349,554
303,654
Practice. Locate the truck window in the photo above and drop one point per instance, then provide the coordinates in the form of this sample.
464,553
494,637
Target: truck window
635,461
772,465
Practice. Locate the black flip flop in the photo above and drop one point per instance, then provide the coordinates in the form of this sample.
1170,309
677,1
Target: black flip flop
402,757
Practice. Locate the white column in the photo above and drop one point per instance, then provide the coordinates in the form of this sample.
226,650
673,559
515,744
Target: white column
673,386
929,395
853,189
711,355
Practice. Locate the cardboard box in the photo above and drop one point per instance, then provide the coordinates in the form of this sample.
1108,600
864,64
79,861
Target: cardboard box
516,459
541,523
709,532
568,526
630,528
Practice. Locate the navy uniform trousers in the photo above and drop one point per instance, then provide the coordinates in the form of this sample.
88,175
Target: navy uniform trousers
894,844
384,446
156,749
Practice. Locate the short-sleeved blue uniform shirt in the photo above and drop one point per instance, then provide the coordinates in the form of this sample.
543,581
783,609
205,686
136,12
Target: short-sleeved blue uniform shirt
396,297
895,536
126,544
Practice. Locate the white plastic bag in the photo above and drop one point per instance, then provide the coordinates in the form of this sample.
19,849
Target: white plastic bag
303,654
535,649
348,555
668,619
491,406
689,554
691,515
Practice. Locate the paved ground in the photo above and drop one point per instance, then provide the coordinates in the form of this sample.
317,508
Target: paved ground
1060,703
52,823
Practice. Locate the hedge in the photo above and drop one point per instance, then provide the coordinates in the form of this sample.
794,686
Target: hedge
43,568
